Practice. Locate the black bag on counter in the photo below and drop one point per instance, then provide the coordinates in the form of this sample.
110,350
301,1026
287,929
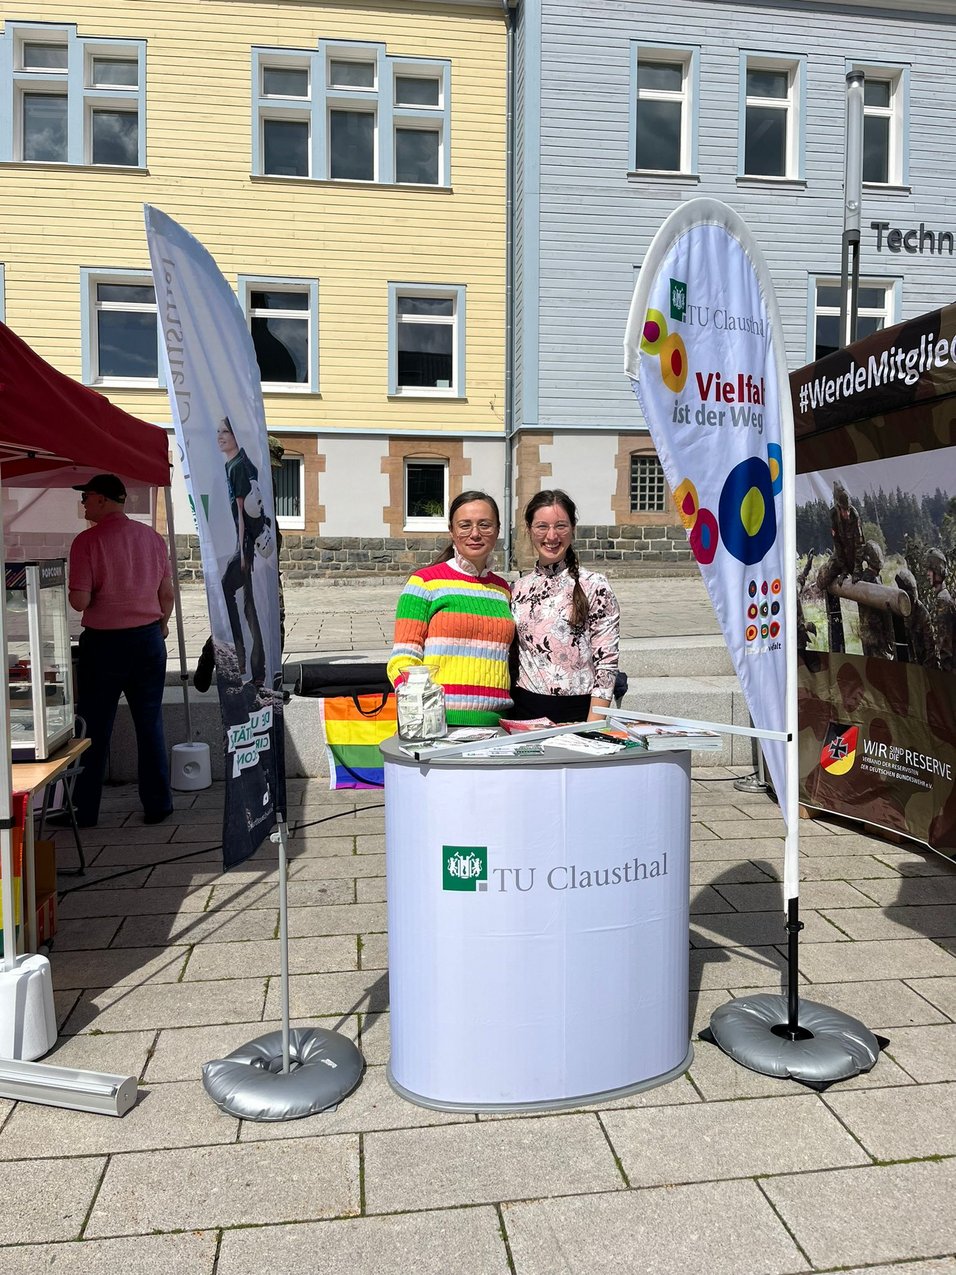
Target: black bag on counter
323,679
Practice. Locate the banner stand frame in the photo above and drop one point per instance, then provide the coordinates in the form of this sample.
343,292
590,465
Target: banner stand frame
291,1073
773,1035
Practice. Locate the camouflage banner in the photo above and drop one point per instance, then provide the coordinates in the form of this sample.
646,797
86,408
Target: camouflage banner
876,546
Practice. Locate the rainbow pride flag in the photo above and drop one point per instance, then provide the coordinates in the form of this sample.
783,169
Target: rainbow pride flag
354,727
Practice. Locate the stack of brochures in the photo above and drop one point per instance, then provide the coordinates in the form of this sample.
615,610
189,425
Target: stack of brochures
597,743
658,738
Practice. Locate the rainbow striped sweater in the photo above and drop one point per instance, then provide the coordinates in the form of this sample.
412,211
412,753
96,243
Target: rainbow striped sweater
461,627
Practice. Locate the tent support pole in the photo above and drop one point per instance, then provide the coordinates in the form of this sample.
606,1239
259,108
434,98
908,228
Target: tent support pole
183,673
6,792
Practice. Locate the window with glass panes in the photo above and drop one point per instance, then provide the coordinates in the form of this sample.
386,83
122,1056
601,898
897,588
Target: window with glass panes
320,115
287,489
426,491
874,306
76,100
661,114
882,127
426,342
768,121
280,320
124,336
648,486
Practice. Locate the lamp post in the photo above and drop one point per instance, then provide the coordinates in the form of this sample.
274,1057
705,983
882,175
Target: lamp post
852,201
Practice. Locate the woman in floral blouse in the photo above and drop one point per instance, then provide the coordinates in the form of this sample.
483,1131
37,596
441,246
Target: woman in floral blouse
568,623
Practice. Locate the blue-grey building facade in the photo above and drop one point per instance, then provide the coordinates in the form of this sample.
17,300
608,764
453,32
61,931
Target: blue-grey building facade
622,111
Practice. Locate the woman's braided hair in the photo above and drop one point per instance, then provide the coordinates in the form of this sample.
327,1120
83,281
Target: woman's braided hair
544,499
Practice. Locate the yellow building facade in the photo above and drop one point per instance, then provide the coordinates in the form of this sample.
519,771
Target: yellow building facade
345,164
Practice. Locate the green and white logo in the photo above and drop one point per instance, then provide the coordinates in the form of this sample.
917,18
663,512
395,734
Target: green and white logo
464,868
678,300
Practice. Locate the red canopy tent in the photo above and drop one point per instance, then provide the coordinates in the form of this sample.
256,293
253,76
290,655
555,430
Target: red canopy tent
55,432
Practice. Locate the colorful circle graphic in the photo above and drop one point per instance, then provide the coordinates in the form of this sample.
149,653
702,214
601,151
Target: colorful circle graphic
774,628
764,630
688,505
765,609
751,632
748,523
752,588
704,537
775,465
763,588
774,608
752,611
674,363
775,587
655,330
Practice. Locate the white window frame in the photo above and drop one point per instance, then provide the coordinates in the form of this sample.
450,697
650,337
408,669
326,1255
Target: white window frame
288,523
379,101
74,82
431,119
689,59
90,308
889,312
638,461
453,292
793,104
440,522
358,100
310,288
897,113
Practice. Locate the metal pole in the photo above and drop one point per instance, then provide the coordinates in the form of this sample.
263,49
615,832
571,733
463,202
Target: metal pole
180,635
852,208
508,503
6,790
284,940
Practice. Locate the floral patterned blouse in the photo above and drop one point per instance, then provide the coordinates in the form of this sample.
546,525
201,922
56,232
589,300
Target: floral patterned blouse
554,656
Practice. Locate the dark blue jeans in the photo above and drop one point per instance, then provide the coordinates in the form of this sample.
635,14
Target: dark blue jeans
234,579
130,662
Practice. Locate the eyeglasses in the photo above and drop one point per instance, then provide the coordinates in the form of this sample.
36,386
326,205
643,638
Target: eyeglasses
542,528
485,527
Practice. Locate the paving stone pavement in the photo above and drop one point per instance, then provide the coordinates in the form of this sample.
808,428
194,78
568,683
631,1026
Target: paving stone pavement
325,618
162,962
721,1171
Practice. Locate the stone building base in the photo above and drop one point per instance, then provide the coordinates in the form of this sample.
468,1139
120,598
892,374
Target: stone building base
612,550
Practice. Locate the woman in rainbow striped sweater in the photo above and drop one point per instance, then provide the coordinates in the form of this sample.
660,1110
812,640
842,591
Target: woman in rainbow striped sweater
455,617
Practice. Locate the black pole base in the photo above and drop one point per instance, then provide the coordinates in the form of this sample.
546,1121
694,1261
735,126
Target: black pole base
786,1032
825,1045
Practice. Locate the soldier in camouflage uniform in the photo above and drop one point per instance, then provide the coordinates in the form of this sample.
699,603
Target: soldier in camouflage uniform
846,558
876,626
917,625
804,629
942,611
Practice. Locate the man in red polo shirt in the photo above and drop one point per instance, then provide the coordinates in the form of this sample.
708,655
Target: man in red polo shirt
120,579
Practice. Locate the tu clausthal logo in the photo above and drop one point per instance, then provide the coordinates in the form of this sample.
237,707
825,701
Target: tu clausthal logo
678,300
464,868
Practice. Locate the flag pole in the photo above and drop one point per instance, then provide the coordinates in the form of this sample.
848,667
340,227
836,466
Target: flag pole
674,356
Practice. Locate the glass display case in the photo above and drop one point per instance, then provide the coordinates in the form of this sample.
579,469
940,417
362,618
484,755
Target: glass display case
39,668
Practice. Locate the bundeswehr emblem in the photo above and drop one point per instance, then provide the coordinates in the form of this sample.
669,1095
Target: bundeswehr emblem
678,300
464,868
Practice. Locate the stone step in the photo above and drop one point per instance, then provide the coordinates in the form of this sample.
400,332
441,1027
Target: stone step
704,656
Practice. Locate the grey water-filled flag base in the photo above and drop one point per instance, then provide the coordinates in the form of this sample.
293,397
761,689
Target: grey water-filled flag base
324,1067
831,1045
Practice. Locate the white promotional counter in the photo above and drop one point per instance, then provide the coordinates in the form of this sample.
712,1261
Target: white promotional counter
538,927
